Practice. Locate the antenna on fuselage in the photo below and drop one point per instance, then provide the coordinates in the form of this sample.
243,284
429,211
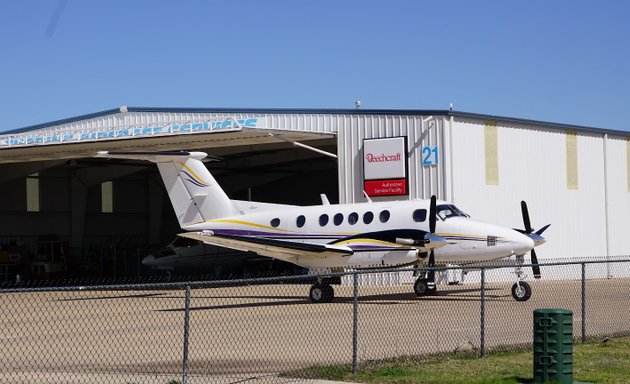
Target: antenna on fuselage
367,197
324,199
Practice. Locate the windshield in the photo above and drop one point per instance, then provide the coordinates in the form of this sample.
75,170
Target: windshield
448,210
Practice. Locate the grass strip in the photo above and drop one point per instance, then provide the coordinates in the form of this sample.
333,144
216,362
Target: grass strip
597,361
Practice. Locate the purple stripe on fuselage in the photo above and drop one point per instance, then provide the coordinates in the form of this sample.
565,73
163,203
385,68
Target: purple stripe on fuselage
376,248
249,232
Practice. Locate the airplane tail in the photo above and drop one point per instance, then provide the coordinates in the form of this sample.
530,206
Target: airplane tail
194,193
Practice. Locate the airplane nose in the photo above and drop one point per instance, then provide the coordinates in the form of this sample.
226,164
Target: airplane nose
521,243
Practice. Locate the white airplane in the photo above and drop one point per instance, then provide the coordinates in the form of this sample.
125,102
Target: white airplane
338,236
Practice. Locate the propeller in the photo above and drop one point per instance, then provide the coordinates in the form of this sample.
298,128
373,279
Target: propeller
431,238
431,263
536,236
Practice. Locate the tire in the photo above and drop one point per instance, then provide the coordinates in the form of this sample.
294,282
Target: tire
523,293
329,293
421,287
321,293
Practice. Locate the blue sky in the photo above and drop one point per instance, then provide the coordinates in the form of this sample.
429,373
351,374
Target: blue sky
559,61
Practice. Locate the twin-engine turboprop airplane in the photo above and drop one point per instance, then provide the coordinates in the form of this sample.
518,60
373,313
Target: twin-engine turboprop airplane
337,236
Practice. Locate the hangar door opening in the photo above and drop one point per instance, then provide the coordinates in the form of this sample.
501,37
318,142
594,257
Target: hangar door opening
101,218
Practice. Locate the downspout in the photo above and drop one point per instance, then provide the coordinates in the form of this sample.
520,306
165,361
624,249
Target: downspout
444,135
450,158
605,140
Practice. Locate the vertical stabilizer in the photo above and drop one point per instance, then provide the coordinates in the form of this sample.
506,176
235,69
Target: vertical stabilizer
194,193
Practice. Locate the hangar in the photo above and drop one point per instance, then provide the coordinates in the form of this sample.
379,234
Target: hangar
65,211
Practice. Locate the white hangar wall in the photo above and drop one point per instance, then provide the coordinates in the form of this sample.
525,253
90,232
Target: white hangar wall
577,180
618,194
560,173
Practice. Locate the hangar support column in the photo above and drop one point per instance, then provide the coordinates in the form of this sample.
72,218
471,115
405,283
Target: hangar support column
78,207
155,208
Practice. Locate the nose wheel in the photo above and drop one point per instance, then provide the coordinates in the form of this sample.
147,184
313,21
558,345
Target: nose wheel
521,291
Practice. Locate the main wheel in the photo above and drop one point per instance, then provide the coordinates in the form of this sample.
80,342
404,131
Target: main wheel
321,293
521,291
421,288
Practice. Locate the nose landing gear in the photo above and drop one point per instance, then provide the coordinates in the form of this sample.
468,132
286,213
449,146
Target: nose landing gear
521,290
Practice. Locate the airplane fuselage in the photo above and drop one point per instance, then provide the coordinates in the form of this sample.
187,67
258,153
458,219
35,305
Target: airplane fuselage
469,241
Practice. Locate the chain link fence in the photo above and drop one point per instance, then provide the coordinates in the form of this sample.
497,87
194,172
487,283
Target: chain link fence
254,330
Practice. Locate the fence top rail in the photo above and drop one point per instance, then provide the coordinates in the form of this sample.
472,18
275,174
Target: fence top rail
294,279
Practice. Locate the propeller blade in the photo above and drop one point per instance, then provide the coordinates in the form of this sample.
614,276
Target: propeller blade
431,275
525,212
535,266
432,215
543,229
538,239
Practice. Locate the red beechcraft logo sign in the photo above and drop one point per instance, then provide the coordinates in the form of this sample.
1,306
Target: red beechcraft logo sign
385,166
371,158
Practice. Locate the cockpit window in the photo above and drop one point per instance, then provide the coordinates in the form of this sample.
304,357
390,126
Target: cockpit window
448,210
420,215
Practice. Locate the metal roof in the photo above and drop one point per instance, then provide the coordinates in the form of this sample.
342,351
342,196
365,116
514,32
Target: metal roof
424,112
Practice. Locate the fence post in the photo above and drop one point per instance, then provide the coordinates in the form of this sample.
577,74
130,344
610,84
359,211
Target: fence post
482,332
583,302
186,331
355,320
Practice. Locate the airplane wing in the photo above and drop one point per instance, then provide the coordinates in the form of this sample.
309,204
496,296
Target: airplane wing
269,247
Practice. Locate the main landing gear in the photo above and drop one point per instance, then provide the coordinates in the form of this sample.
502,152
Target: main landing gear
424,287
321,292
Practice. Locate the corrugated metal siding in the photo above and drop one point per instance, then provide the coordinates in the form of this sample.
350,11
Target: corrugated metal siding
618,195
423,181
532,164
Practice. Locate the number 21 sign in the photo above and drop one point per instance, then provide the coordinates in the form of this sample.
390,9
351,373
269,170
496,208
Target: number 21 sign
430,156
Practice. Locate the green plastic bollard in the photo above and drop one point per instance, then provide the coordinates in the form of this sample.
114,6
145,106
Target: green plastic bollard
553,345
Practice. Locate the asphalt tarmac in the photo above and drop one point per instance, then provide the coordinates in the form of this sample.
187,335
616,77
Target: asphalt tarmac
253,333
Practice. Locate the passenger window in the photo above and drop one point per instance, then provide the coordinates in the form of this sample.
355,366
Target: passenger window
420,215
368,217
323,220
300,221
384,216
275,222
338,219
353,218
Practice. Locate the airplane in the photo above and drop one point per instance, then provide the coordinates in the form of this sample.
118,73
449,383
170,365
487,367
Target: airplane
185,255
190,254
365,235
